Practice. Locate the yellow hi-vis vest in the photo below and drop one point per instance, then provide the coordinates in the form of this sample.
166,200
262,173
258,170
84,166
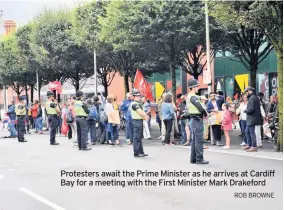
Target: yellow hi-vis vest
50,110
191,108
79,111
134,114
20,112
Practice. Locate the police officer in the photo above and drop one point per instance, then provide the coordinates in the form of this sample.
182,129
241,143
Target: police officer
196,112
21,114
137,115
52,111
81,114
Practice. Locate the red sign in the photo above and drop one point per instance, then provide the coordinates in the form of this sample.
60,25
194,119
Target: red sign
56,85
141,85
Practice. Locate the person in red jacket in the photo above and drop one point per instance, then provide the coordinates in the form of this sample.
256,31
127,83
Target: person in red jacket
34,111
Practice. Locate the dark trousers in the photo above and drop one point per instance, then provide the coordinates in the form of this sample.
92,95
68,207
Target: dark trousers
137,136
101,133
21,128
250,134
129,130
196,130
53,124
169,126
92,130
69,131
243,127
82,132
216,129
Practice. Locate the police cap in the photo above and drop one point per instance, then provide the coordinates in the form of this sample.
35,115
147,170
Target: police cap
136,93
79,93
192,83
49,93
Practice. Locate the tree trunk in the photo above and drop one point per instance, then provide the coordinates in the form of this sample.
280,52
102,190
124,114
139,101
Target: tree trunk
253,72
105,83
126,83
27,96
280,99
77,85
32,93
105,87
173,74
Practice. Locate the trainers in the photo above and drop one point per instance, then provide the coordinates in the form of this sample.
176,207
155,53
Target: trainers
219,144
246,147
252,149
259,146
226,147
243,144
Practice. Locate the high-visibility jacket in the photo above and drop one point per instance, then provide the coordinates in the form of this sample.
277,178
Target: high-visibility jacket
191,108
79,111
50,110
134,113
20,110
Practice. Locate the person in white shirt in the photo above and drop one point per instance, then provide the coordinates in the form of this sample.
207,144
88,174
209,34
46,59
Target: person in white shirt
243,117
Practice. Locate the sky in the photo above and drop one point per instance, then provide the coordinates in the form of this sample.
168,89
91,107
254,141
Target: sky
22,11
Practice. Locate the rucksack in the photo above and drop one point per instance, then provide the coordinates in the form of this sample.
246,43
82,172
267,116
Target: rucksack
69,116
93,113
103,116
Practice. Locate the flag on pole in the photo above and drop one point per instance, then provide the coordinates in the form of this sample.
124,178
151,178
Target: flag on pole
159,90
141,85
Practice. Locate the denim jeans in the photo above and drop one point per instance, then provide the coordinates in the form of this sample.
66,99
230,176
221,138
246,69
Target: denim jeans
182,130
243,126
35,123
39,124
13,131
129,131
250,134
92,129
112,132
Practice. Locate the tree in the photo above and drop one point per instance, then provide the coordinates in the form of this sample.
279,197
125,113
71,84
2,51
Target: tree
58,50
12,65
86,33
124,59
242,41
267,16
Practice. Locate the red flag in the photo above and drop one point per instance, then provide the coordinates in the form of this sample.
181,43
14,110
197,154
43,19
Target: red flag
56,85
141,85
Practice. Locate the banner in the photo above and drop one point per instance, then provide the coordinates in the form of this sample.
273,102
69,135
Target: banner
215,118
141,85
273,84
56,85
159,90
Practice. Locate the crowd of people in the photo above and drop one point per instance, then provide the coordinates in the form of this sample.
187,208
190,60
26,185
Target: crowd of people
99,119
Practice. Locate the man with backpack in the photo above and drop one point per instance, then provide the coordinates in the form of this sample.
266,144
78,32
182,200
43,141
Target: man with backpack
101,134
91,120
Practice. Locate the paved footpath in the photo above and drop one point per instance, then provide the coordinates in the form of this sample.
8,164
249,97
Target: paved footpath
30,177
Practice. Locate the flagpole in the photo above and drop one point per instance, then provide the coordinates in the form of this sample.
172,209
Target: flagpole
95,72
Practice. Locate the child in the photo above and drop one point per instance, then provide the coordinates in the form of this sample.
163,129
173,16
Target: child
227,123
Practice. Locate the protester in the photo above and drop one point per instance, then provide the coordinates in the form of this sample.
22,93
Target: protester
12,117
70,119
253,119
213,108
111,128
101,126
259,128
91,121
163,129
39,119
227,124
184,120
243,117
167,111
34,113
147,109
124,109
220,99
206,129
